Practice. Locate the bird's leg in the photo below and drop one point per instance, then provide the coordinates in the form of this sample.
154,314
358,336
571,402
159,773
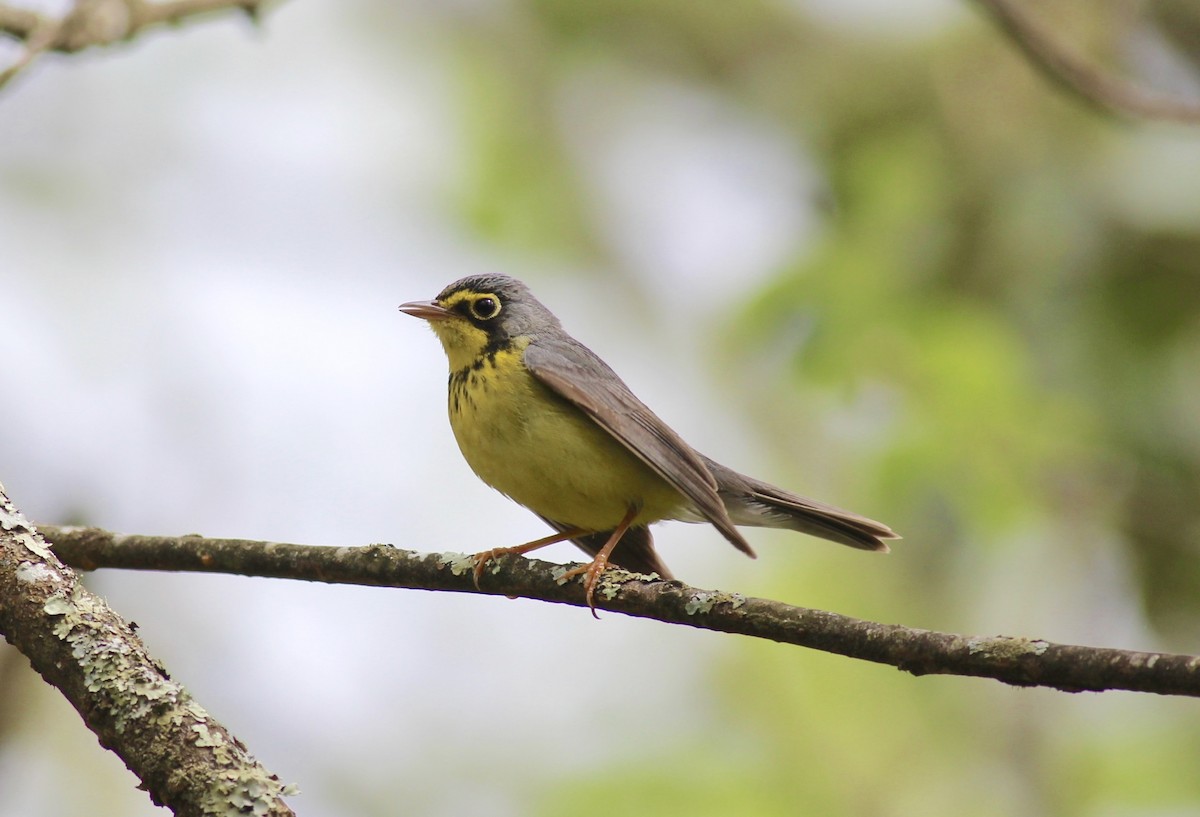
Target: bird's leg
593,570
481,559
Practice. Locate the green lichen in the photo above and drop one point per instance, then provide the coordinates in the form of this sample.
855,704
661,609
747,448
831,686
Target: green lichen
112,670
615,577
34,573
703,601
237,794
1004,647
134,691
461,563
206,738
610,582
15,523
57,606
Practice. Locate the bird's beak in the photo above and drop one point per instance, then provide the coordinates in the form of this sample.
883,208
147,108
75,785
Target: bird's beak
426,310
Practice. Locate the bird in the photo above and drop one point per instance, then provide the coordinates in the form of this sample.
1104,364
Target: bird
542,419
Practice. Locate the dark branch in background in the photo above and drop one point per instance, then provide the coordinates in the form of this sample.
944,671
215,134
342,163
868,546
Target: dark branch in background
185,759
101,22
1074,72
1018,661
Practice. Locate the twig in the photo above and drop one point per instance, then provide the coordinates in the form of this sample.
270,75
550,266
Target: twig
101,22
1074,72
185,759
1017,661
40,38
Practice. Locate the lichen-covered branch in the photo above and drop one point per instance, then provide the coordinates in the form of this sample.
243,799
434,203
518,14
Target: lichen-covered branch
1018,661
186,760
101,22
1075,73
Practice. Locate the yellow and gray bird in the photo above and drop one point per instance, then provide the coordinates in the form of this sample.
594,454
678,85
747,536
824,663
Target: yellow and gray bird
542,419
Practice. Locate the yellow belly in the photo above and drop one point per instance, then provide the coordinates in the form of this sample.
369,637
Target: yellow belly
535,447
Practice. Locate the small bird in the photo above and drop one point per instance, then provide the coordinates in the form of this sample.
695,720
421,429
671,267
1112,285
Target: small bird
542,419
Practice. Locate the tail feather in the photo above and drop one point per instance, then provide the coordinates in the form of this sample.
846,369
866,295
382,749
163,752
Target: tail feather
755,503
750,502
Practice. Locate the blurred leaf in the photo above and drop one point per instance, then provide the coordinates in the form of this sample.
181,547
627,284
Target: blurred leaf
518,189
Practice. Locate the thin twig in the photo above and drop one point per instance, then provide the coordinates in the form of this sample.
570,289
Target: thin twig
184,759
39,40
101,22
1074,72
1017,661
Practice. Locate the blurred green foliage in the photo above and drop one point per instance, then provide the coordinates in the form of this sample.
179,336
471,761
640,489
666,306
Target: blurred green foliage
1014,337
990,340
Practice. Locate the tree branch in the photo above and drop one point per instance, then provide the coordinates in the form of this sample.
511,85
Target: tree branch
101,22
1017,661
1075,73
185,759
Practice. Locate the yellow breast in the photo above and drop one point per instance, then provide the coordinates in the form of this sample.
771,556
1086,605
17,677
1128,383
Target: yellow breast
543,452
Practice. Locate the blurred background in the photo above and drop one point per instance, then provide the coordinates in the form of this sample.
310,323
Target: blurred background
860,249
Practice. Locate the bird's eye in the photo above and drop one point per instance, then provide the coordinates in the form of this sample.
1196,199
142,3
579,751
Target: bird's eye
485,308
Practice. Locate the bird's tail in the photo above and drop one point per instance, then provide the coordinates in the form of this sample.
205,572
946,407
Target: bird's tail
751,502
759,504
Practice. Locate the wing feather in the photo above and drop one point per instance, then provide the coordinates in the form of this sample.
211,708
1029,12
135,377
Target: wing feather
577,374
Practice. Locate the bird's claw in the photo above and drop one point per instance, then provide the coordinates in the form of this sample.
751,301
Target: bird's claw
481,562
591,572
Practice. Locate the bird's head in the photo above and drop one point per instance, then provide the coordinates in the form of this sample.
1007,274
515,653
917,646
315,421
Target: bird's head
479,313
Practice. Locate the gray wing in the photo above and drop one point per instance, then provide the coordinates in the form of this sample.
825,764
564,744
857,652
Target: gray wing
577,374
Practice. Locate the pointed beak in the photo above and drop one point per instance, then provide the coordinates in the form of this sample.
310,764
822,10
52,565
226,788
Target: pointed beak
426,310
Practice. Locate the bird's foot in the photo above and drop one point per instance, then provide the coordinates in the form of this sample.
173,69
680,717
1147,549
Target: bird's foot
481,559
594,569
591,572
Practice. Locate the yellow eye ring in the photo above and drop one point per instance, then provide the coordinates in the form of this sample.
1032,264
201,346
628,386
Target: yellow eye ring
486,307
